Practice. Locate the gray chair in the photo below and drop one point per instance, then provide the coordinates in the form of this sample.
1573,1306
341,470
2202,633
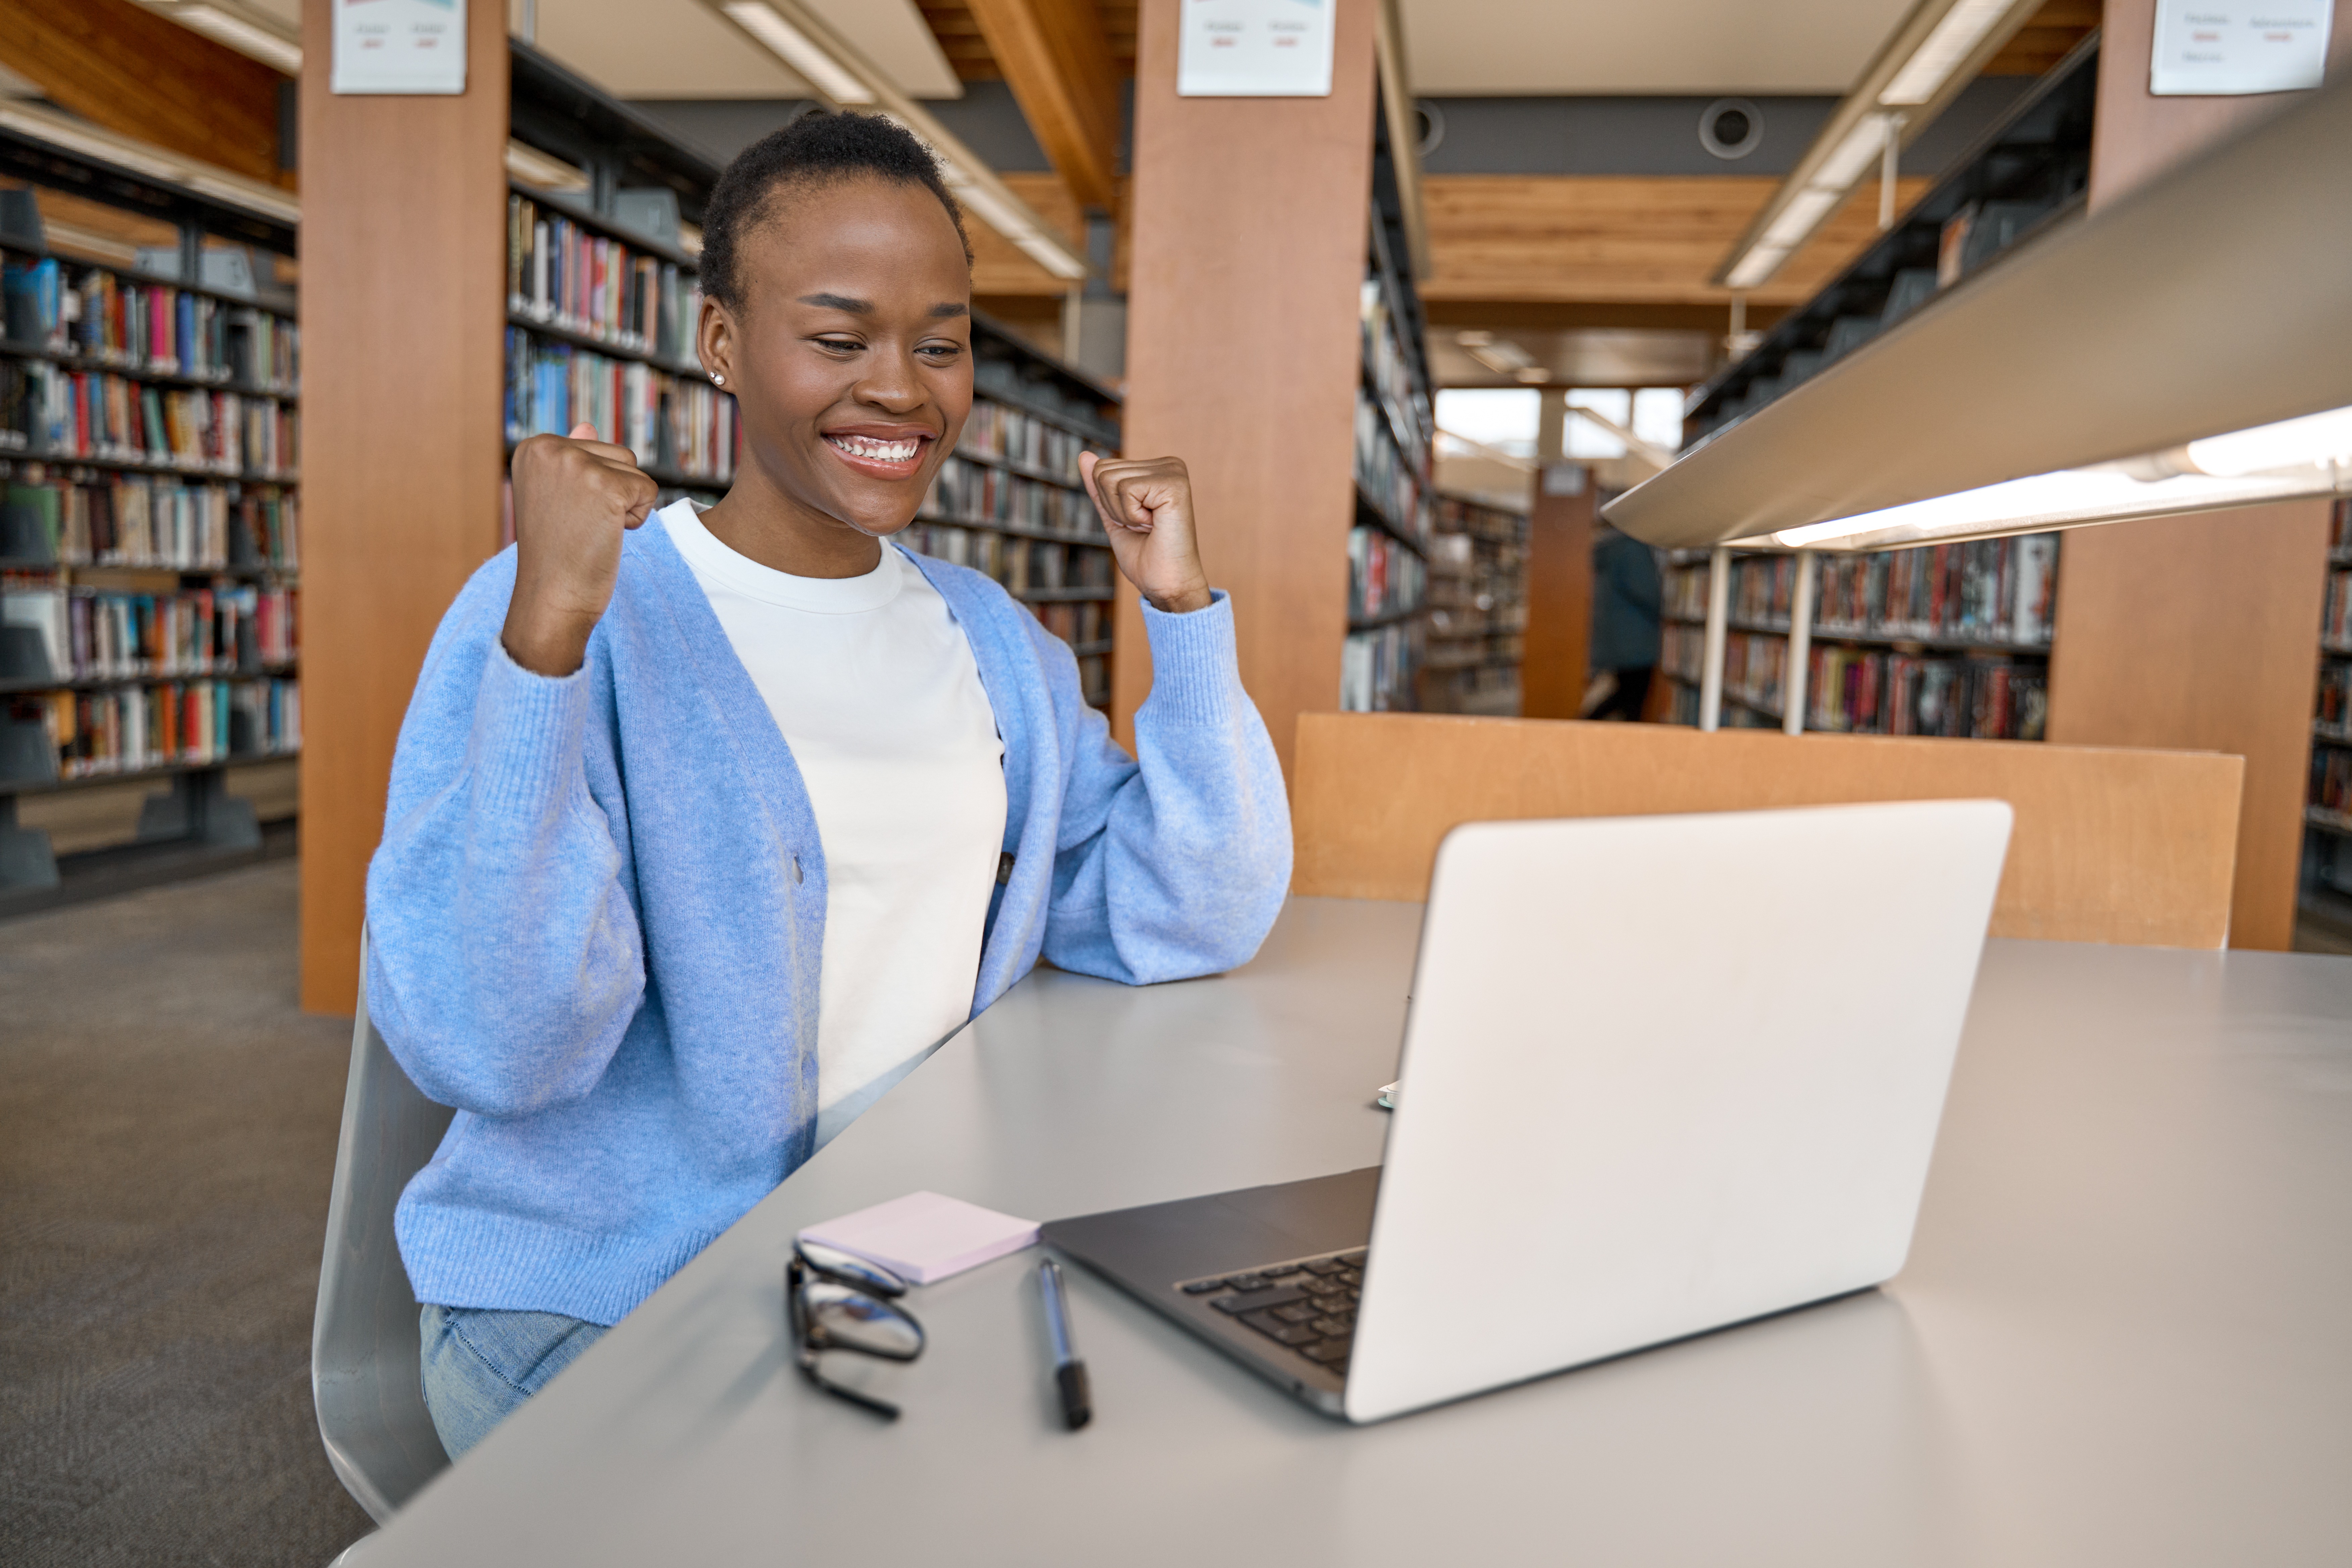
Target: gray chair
363,1342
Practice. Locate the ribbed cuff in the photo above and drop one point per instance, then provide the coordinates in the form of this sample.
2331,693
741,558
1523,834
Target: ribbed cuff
1195,666
525,749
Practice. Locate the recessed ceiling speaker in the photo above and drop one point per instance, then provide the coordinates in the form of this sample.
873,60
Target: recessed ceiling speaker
1432,121
1730,128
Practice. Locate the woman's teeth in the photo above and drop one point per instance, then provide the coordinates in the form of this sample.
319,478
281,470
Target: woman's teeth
877,451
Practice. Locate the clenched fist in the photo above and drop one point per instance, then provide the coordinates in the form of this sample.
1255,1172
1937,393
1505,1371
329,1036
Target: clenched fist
573,498
1147,508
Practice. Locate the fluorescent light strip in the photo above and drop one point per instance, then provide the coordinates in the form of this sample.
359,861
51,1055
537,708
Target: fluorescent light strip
1962,30
1805,209
240,35
2074,498
1859,153
801,52
2314,440
2311,456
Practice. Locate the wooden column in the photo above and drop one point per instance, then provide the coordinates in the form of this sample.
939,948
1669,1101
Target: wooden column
1243,351
1555,665
2197,633
404,313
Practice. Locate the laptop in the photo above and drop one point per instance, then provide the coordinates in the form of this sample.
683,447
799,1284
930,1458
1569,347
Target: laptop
1660,1076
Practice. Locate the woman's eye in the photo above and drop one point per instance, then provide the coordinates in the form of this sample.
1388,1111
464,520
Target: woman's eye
840,345
943,353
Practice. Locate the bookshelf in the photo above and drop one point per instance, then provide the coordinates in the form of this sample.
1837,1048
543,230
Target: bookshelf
2327,816
150,527
1477,608
600,319
1388,571
1950,640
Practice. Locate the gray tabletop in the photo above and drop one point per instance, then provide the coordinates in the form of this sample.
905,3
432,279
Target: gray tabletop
2125,1335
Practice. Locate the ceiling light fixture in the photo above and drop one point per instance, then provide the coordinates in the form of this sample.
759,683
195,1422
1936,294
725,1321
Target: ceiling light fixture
845,78
1938,50
2293,459
798,50
254,33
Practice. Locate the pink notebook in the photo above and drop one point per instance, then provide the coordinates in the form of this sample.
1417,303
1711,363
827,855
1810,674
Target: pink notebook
924,1236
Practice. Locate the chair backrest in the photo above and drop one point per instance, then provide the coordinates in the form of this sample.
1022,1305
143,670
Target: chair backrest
364,1349
2110,845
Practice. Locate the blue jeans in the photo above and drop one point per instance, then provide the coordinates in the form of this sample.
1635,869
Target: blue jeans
479,1364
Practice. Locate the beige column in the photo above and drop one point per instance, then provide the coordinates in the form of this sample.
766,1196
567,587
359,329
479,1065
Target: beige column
404,315
1553,670
1243,351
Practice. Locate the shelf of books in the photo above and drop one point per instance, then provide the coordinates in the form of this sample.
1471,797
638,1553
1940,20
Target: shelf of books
1949,639
1388,548
149,446
1477,608
2327,835
601,316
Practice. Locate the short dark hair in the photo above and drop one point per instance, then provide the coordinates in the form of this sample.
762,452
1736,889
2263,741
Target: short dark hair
820,148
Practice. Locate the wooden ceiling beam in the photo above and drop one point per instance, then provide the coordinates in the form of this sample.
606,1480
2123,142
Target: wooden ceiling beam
1055,56
123,67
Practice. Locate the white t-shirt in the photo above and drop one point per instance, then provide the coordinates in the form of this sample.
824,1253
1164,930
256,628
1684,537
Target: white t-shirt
873,687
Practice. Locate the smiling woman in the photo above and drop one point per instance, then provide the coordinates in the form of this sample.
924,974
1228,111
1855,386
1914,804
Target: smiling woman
703,833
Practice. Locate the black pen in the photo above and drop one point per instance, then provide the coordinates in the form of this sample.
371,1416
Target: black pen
1069,1372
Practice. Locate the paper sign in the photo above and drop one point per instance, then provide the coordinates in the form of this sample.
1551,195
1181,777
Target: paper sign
400,46
2205,47
1255,48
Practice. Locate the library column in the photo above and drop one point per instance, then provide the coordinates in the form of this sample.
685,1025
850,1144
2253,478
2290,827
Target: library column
1556,655
1244,352
404,320
2195,633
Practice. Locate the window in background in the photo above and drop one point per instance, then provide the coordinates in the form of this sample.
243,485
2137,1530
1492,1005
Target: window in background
1501,417
1585,439
1658,416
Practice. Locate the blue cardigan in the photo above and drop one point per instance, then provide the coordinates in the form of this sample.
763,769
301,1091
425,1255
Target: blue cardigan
597,916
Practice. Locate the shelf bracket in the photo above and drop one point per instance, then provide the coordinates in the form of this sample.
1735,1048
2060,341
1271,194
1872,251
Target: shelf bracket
1800,644
25,860
1718,615
199,808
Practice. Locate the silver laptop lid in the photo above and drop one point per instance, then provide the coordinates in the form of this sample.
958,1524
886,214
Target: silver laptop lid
1676,1071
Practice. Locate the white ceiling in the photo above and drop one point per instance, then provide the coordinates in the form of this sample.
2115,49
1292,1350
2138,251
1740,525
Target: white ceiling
1469,47
679,48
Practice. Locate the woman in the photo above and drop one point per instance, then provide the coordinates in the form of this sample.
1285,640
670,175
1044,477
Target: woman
702,829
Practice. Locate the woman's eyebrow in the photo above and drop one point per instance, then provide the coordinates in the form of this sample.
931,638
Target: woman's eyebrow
841,302
951,308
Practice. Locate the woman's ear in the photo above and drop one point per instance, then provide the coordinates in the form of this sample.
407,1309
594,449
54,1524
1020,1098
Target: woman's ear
714,343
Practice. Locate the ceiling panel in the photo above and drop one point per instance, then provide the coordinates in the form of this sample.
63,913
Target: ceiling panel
1469,47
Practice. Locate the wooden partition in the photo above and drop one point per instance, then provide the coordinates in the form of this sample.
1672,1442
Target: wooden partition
2196,631
1556,653
2109,846
1243,351
404,316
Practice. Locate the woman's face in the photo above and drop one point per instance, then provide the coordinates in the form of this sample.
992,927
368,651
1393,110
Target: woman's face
851,357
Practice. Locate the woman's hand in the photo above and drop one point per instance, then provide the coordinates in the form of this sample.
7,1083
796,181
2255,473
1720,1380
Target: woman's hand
1147,508
573,498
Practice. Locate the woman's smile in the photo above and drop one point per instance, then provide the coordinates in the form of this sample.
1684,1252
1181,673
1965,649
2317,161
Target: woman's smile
884,452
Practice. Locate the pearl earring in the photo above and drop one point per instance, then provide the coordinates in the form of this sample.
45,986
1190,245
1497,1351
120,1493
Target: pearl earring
718,380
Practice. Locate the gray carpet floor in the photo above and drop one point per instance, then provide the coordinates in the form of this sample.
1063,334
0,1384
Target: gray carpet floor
167,1134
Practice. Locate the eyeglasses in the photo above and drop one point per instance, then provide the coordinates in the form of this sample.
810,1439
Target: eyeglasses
841,1302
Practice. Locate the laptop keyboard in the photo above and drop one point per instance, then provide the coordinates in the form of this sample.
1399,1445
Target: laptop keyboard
1309,1306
